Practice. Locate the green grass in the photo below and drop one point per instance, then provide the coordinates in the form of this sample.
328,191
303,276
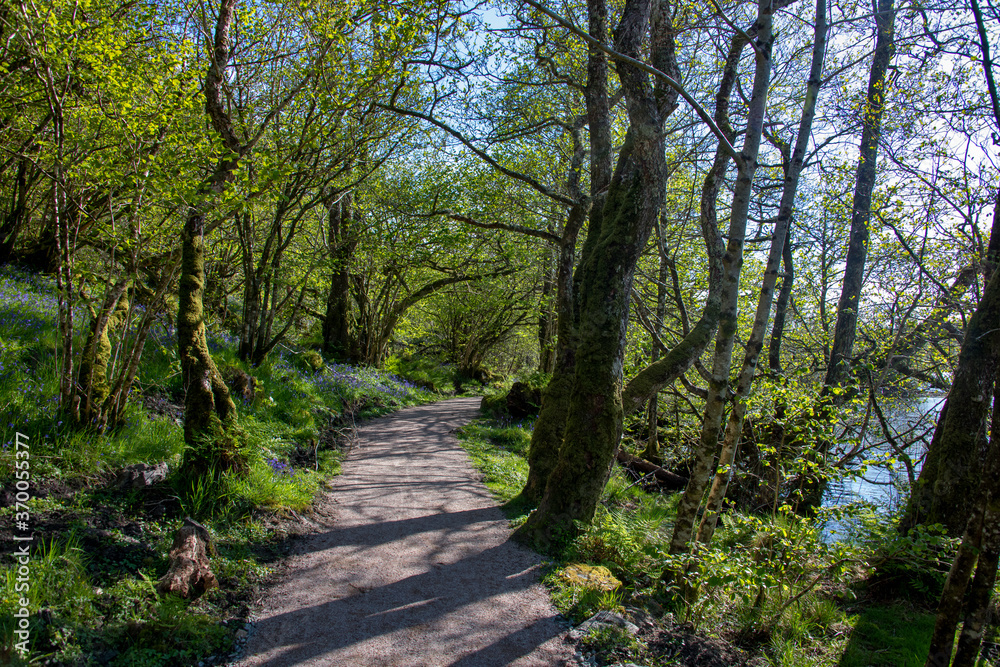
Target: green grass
499,452
889,636
99,550
757,580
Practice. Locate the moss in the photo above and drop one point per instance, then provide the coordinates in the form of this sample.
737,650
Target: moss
595,577
547,436
92,378
312,360
494,406
215,444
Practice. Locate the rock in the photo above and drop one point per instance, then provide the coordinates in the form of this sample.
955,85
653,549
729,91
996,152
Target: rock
641,617
142,475
605,619
596,577
241,635
312,360
241,384
523,400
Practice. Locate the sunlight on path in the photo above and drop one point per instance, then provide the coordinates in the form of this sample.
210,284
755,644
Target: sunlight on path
413,566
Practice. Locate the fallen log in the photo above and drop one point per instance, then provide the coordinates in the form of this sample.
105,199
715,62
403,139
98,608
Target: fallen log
189,574
662,475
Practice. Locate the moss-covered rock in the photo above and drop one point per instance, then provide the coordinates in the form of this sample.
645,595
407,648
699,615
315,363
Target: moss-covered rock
494,406
523,400
312,360
596,577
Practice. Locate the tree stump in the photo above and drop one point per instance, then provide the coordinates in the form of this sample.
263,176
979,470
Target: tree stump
189,574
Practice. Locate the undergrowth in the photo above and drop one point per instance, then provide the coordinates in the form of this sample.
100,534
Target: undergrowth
99,549
773,586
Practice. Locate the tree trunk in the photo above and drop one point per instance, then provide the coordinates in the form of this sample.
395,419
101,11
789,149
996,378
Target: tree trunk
550,427
954,458
337,340
781,308
92,378
718,386
981,538
210,428
950,606
594,422
547,318
837,380
17,214
547,435
189,575
652,449
978,602
755,344
153,304
845,329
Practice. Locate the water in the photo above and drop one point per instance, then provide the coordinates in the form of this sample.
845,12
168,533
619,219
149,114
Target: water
880,484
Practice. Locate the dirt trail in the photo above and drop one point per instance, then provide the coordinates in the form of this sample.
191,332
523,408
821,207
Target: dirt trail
412,567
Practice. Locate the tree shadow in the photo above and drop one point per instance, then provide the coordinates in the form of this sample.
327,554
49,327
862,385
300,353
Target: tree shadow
889,636
471,608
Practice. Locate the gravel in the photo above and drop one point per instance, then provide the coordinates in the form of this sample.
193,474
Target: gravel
412,564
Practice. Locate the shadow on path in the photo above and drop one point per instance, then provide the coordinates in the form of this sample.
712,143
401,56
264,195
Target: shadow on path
414,566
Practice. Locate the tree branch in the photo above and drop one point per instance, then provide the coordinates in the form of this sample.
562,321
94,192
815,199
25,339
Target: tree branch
649,69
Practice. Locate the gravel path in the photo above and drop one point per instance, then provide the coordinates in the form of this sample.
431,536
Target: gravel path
412,565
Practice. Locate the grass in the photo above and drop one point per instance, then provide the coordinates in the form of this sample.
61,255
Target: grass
499,451
769,585
99,549
889,636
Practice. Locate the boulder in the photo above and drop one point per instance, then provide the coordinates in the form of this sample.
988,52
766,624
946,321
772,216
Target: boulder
603,619
523,400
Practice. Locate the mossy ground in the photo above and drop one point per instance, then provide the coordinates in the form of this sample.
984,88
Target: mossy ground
99,549
750,610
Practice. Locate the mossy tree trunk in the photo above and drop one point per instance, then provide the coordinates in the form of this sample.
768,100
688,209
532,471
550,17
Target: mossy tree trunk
604,281
210,427
342,241
550,427
92,378
547,435
755,343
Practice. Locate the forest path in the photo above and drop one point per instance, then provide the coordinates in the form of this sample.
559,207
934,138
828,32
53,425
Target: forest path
412,565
